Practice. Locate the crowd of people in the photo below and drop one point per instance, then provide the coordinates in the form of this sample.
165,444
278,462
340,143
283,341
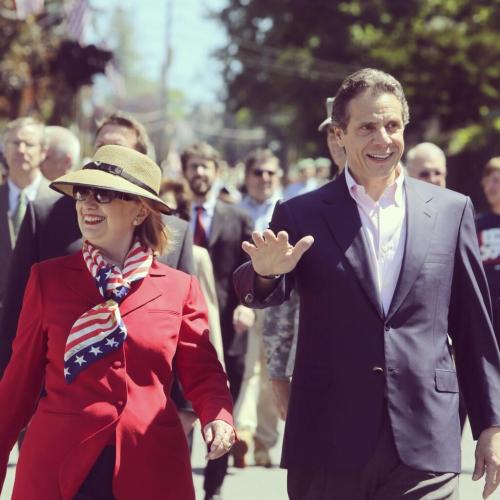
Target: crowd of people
364,303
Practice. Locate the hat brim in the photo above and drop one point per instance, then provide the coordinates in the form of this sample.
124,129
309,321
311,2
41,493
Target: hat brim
104,180
324,124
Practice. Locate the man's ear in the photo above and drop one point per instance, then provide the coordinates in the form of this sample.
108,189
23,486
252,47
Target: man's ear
338,135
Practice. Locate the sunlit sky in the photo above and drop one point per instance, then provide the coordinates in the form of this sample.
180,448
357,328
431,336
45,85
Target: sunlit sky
194,37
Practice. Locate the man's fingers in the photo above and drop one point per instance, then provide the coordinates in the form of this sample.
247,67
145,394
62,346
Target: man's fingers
258,239
248,248
492,479
269,236
478,468
302,246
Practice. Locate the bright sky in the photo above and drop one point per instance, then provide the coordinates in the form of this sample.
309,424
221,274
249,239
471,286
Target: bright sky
194,37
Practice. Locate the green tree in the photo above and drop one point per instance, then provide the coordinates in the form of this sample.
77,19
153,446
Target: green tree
40,69
286,56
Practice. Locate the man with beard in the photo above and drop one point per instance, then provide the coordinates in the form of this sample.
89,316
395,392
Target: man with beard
220,228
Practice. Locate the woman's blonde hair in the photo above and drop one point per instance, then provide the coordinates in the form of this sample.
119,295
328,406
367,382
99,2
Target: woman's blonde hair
153,232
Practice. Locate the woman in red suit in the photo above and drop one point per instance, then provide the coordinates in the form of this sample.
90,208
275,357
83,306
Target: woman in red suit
98,331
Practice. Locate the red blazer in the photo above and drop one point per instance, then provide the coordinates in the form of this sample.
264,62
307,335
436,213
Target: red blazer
122,398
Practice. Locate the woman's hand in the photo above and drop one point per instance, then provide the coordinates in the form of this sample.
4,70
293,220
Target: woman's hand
220,436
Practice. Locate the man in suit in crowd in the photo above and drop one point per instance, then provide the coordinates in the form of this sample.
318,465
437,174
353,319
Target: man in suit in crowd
255,414
50,229
427,162
24,150
220,228
386,267
63,152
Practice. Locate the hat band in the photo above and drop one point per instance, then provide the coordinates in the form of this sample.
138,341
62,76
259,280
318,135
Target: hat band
118,171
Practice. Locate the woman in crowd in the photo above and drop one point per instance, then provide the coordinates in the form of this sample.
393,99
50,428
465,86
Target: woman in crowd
99,330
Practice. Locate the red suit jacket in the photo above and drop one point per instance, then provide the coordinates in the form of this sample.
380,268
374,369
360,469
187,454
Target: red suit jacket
121,398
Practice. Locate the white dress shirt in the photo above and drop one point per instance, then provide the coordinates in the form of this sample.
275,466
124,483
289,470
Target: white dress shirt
383,224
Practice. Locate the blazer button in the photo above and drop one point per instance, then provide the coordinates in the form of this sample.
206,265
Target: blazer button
120,403
116,364
378,369
387,328
249,298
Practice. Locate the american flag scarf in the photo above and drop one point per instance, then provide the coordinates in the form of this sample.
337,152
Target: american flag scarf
101,329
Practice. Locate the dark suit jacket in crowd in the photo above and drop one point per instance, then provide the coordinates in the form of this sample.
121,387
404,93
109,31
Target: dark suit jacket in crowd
354,362
230,227
6,232
50,229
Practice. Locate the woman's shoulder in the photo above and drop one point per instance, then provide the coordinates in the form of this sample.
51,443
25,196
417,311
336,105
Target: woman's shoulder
159,268
73,261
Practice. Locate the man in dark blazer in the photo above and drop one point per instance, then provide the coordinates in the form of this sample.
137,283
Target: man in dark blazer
386,268
221,228
24,147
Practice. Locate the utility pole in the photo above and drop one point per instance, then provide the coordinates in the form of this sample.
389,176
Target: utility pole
167,60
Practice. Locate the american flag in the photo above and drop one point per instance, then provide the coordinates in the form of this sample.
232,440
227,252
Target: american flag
76,19
25,8
101,330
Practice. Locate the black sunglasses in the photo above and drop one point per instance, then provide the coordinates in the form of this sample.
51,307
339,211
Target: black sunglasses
259,172
81,193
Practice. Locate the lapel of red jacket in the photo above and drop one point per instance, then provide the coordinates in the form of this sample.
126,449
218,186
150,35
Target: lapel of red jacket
79,279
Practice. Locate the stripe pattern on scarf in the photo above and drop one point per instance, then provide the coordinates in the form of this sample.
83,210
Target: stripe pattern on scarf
101,329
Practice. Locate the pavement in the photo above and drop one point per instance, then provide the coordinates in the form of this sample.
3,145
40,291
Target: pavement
258,483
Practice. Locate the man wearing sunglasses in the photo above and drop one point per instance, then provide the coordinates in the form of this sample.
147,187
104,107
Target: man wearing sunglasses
255,413
427,162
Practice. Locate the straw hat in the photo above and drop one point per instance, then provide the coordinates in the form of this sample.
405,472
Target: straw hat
117,168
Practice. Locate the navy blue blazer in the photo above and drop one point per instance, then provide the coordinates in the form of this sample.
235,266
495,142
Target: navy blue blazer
354,362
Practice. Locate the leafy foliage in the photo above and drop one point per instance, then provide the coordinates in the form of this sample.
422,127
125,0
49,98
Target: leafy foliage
40,69
286,56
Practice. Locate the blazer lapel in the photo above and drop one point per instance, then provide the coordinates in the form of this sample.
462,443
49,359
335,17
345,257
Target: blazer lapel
217,223
6,230
420,220
83,284
341,215
79,280
142,292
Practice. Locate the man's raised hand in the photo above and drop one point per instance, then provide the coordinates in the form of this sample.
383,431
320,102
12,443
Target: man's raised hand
273,254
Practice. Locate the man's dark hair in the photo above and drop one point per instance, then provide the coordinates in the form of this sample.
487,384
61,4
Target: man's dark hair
352,86
202,150
123,119
258,156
